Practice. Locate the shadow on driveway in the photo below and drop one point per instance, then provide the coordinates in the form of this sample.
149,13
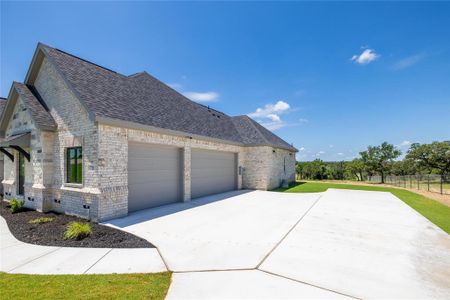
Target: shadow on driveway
168,209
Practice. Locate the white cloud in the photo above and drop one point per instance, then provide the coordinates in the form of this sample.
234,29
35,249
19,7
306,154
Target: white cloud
407,62
405,143
303,121
202,97
270,109
331,146
269,115
340,154
319,153
272,126
366,57
274,117
301,149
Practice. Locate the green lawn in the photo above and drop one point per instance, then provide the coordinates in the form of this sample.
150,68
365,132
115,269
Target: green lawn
123,286
434,211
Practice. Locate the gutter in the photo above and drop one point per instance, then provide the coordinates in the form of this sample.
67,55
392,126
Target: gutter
137,126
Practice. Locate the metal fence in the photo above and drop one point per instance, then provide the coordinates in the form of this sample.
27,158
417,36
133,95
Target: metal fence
432,183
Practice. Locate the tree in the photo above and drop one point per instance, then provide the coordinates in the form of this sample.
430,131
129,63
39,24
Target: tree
316,169
299,169
356,168
379,158
434,156
399,168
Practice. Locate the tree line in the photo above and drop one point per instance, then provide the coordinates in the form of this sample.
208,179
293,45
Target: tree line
382,160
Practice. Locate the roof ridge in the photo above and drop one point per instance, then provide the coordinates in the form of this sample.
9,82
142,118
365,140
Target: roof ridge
256,128
166,85
82,59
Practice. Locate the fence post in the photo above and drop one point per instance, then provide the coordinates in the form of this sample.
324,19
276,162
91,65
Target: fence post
418,182
410,182
442,176
428,182
404,181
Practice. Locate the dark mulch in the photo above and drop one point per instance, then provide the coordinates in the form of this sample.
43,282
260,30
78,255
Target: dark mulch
50,234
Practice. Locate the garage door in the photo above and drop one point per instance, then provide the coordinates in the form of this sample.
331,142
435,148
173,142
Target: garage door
154,175
212,172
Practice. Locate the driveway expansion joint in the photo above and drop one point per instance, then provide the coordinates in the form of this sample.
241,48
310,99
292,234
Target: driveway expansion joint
313,285
287,233
98,260
36,258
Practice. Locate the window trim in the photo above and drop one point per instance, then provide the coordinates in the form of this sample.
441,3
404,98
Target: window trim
68,168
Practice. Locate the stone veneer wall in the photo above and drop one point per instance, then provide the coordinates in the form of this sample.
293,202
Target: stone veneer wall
21,122
256,171
75,128
267,167
282,167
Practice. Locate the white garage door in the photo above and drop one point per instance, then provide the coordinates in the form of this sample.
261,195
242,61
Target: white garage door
154,175
212,172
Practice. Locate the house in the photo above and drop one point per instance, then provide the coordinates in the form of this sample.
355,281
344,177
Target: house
81,139
2,106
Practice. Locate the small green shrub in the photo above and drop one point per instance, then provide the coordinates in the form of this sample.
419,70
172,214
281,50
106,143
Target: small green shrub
77,231
40,220
16,205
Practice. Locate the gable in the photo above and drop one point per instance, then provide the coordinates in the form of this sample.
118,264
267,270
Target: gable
20,120
24,112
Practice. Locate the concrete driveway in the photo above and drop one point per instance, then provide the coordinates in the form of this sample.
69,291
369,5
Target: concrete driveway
337,244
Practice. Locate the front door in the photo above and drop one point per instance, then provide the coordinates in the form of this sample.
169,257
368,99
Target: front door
21,173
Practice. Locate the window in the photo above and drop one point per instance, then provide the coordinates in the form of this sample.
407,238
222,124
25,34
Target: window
74,160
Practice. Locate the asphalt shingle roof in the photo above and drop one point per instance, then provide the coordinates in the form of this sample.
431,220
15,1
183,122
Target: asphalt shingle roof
40,115
2,104
143,99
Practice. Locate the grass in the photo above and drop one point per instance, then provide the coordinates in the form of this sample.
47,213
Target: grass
77,231
115,286
434,211
40,220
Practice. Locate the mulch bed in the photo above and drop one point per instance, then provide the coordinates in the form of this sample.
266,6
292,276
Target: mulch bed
51,233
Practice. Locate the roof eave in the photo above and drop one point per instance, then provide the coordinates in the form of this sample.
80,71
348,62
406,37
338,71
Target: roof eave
137,126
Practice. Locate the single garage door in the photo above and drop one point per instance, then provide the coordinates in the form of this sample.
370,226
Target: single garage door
212,172
154,175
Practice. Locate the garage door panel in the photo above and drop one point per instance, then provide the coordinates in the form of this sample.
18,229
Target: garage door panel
154,175
212,172
150,177
205,173
153,164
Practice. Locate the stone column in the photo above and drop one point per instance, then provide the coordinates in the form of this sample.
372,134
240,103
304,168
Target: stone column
186,173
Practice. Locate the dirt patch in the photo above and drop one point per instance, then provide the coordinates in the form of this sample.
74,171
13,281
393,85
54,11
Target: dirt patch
51,233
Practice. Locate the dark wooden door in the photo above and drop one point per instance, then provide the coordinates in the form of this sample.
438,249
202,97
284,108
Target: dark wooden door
21,174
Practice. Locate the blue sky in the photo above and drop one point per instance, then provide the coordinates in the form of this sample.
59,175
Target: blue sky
331,78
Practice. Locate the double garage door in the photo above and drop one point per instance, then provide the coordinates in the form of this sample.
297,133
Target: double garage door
155,174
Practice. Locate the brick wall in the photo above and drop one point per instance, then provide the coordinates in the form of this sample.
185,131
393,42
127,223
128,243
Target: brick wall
75,128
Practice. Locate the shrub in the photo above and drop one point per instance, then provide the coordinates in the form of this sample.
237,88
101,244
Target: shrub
77,231
16,205
40,220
